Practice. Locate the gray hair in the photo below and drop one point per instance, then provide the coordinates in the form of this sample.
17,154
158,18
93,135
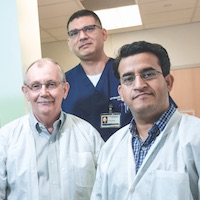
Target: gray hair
40,63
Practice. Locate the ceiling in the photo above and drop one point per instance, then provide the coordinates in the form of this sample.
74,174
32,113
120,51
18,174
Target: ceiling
53,14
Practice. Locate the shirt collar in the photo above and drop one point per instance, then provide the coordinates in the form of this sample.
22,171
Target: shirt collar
37,126
160,123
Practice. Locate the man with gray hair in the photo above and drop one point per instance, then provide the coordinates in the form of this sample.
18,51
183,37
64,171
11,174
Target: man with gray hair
47,154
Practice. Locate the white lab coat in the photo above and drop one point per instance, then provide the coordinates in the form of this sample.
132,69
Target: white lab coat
79,147
170,170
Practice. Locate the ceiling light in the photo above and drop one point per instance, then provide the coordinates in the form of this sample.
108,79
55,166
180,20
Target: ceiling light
120,17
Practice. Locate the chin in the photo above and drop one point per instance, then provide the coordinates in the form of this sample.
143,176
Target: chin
144,108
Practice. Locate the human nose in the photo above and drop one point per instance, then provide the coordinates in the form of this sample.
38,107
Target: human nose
139,82
44,90
82,34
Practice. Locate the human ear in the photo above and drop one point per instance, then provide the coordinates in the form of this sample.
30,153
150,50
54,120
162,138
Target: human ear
25,91
66,88
69,44
169,80
105,34
120,92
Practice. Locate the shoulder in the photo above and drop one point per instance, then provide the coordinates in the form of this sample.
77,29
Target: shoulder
74,122
189,122
117,138
82,130
73,70
120,134
75,119
109,64
119,141
13,125
14,128
187,128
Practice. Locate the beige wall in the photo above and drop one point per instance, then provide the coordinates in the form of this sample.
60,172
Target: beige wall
182,43
186,91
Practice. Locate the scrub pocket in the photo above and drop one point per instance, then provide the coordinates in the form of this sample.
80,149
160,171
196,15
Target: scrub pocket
170,185
84,168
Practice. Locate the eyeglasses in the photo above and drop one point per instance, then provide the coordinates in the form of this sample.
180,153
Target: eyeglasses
49,85
146,75
86,29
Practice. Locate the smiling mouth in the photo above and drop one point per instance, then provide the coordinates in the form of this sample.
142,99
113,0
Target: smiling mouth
45,101
84,45
141,95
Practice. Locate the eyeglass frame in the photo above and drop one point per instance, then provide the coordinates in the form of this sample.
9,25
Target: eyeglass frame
84,29
141,76
47,85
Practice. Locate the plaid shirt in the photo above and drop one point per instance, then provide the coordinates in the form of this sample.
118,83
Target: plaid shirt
141,148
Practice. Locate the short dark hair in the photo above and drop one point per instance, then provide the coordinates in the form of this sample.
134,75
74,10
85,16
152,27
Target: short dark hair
141,47
83,13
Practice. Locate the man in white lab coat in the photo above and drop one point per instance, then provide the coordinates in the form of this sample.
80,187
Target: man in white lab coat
47,154
156,156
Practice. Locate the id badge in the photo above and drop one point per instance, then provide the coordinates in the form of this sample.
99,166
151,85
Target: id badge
110,120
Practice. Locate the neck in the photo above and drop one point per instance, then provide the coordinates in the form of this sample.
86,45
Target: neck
143,130
47,122
144,124
50,129
96,66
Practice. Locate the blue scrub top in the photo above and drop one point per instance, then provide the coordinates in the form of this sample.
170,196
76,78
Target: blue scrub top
89,102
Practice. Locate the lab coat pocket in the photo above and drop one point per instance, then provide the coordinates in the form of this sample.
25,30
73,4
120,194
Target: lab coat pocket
168,185
84,169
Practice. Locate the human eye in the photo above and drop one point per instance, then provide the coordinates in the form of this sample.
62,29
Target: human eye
51,85
73,33
35,86
149,74
89,28
128,80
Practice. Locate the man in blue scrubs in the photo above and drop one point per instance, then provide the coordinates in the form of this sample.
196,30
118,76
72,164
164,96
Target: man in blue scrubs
93,93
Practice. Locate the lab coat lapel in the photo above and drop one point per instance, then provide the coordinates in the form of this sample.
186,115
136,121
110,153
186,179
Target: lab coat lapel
33,187
131,167
154,150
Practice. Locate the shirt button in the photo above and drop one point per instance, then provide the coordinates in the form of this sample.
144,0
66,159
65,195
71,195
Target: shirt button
143,148
50,142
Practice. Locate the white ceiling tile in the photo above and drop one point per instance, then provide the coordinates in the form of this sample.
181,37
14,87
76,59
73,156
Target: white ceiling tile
57,32
61,38
44,34
48,2
122,30
53,15
47,40
166,24
167,16
166,6
60,9
146,1
55,22
105,4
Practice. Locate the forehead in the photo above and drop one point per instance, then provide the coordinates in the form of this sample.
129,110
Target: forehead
43,71
138,62
81,22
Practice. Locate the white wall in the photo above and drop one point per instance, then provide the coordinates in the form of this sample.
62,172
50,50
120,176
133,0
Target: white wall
20,45
182,43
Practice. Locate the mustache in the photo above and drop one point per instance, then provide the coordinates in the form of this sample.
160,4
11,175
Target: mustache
45,100
141,93
84,43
